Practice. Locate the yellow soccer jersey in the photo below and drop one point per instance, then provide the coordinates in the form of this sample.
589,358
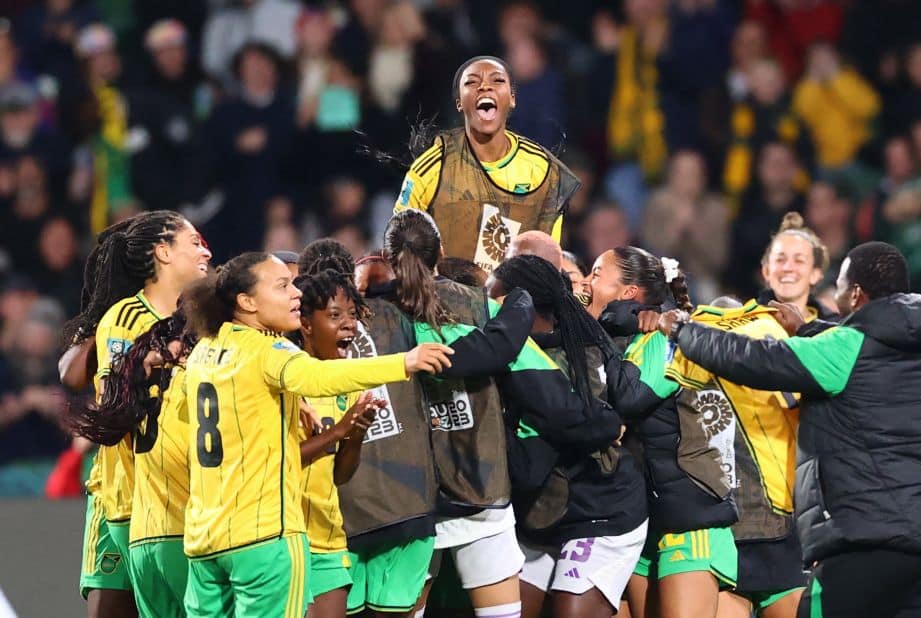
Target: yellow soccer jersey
112,476
242,388
522,169
161,468
768,420
319,495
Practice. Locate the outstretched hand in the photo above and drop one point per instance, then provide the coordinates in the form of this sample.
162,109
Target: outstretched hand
428,357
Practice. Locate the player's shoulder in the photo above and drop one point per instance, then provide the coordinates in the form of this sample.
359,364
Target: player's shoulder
530,149
532,159
127,314
429,161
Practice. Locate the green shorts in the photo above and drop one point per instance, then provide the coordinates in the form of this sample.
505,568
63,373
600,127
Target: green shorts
267,579
389,580
105,565
762,600
329,572
710,549
159,572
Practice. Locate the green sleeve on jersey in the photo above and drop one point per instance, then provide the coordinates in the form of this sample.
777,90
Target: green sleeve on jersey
493,307
648,352
829,356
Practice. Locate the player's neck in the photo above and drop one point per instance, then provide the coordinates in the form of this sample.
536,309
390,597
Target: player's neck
162,296
489,148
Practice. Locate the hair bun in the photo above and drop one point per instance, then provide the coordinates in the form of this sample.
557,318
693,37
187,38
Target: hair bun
792,221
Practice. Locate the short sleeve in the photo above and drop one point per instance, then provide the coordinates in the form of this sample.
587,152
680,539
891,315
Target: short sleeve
111,341
421,181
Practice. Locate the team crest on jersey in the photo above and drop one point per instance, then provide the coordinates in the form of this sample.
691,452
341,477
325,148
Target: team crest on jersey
109,563
117,346
342,402
496,232
522,187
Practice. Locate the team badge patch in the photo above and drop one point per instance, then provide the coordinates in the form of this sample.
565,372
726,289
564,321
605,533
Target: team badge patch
109,563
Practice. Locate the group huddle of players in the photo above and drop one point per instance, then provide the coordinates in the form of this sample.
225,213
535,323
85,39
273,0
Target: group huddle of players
296,434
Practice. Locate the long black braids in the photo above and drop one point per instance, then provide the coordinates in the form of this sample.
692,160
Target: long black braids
127,399
552,294
319,288
119,266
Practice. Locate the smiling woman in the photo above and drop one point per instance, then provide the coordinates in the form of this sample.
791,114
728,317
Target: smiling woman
483,184
243,385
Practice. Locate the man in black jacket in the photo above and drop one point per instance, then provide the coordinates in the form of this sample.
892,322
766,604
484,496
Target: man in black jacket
858,477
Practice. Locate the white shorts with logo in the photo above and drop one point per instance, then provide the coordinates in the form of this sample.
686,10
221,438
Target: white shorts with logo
604,562
483,562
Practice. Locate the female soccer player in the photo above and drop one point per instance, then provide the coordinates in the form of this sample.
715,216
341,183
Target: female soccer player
390,540
792,265
690,550
600,525
330,452
483,184
476,521
140,271
144,396
245,532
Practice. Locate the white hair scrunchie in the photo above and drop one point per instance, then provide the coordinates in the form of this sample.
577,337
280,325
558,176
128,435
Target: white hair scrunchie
670,267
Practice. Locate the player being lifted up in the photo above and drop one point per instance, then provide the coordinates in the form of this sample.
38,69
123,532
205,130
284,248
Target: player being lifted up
482,183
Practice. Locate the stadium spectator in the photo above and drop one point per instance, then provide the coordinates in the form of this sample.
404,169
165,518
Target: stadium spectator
605,226
59,271
761,117
900,167
684,221
828,213
165,118
760,212
539,90
249,139
240,22
22,135
837,105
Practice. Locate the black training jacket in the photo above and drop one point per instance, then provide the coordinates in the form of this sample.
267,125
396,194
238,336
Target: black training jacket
687,488
858,475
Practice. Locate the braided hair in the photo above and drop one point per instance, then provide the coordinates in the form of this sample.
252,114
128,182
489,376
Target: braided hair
318,289
127,399
412,244
552,294
326,254
121,263
644,270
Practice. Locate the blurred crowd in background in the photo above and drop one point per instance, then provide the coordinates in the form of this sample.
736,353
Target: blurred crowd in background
694,126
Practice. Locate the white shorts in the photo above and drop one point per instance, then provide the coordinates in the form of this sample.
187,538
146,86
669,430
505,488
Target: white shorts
483,562
604,562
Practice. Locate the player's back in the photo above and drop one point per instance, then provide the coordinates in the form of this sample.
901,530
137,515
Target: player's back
243,453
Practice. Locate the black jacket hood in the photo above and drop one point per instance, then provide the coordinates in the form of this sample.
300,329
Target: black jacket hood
894,321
